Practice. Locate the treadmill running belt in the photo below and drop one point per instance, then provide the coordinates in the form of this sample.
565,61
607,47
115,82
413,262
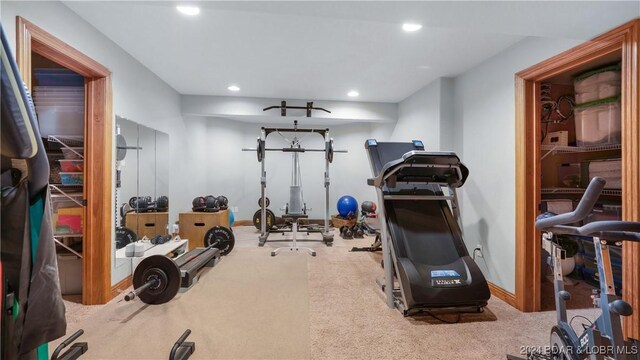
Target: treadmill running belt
424,232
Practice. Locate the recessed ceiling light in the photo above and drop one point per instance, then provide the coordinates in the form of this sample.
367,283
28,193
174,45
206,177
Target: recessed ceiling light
233,88
188,10
353,93
411,27
424,67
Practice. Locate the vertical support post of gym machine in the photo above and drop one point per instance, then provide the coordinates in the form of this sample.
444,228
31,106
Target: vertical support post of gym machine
263,186
326,236
386,250
609,325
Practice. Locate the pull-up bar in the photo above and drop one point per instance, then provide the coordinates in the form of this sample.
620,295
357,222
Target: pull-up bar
283,108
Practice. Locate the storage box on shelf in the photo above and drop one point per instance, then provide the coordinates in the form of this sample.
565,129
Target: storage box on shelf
72,165
598,122
569,175
559,138
610,170
605,212
72,153
68,220
598,84
71,178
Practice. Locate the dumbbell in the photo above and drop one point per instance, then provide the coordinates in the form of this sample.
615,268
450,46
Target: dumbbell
357,232
223,202
199,204
160,239
346,232
162,203
207,203
140,203
212,203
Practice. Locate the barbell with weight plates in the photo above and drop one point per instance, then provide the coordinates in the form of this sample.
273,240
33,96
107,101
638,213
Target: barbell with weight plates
261,149
158,278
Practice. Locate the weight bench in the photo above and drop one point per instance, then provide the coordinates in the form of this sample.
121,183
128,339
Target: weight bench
294,218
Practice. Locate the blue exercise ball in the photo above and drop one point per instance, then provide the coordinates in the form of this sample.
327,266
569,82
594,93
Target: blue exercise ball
347,206
231,218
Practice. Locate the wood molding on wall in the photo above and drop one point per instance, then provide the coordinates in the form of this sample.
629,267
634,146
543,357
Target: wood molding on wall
96,283
631,172
624,39
502,294
121,286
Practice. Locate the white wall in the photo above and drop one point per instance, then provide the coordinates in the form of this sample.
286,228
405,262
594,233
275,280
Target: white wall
484,116
224,169
419,117
138,94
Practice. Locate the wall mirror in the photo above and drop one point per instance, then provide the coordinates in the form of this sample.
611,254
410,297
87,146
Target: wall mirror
142,189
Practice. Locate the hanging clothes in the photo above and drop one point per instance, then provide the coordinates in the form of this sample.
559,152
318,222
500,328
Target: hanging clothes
30,280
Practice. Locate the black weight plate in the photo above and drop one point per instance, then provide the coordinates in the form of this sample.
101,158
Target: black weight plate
266,200
271,219
260,150
222,234
125,236
133,201
165,270
121,147
329,151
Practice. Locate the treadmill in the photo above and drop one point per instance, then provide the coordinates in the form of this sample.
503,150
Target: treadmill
422,241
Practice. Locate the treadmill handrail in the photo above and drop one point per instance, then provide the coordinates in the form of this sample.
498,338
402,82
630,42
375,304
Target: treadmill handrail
392,167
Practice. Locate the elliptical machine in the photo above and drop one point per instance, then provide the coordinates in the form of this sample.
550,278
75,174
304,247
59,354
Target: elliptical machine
602,339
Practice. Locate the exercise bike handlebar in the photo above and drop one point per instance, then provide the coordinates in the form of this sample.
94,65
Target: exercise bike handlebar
609,230
584,208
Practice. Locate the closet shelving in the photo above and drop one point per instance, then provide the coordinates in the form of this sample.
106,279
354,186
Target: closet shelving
566,167
67,193
557,149
578,191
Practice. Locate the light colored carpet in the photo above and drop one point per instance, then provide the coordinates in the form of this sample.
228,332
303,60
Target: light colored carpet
294,306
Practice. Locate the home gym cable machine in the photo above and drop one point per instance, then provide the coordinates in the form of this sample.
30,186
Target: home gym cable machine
296,208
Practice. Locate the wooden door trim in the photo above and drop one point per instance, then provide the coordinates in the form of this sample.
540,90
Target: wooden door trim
624,38
96,280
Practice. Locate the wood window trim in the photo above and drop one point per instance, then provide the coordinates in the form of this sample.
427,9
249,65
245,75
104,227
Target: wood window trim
96,282
625,38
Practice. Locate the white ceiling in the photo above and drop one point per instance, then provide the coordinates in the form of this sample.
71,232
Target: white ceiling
321,50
